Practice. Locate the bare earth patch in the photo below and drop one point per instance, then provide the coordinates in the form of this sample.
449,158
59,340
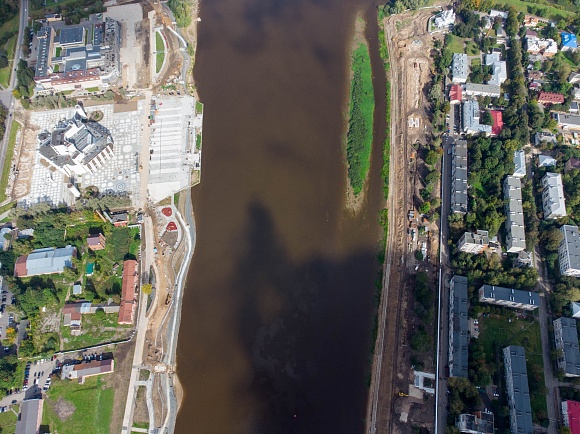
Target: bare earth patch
63,408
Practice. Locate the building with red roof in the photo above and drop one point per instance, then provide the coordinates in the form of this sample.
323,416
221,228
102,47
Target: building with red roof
497,117
571,415
128,289
550,98
455,93
167,211
171,227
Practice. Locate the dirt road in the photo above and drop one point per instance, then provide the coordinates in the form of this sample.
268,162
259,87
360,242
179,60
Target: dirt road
408,45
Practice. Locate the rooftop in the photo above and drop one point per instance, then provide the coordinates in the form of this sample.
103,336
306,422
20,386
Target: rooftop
509,294
71,35
569,340
520,164
30,416
515,358
459,327
497,117
571,243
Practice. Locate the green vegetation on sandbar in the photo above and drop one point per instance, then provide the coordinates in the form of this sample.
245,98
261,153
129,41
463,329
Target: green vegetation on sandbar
360,129
160,48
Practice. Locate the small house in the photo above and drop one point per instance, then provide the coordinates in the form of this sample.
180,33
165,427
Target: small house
96,242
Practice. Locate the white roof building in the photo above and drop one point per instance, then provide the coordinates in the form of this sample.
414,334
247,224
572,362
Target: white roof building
547,47
495,13
459,68
569,251
546,161
575,309
553,196
516,235
446,19
471,123
520,164
499,69
476,89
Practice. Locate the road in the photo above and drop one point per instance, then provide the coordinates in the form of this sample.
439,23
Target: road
147,256
175,316
6,96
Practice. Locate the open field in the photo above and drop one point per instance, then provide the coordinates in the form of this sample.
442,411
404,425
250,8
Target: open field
552,12
10,26
497,333
456,44
9,155
72,407
95,330
8,421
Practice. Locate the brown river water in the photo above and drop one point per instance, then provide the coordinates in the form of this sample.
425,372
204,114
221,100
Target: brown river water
280,298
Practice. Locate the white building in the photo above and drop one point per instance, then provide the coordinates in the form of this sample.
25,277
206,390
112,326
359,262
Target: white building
495,13
553,196
515,232
569,251
475,89
471,115
446,19
520,164
459,68
499,70
473,242
77,145
546,161
546,47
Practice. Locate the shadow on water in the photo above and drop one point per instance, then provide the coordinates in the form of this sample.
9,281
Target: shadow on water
304,330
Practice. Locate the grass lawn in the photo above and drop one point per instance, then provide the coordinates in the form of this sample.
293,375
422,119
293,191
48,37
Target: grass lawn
198,107
92,89
456,44
95,331
11,47
552,12
58,51
497,333
10,26
359,138
160,48
472,49
9,155
198,141
5,76
8,421
93,406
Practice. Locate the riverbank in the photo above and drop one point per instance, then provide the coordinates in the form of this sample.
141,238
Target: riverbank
359,136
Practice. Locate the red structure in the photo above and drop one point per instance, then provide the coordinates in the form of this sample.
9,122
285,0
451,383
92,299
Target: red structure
167,211
550,98
571,414
129,286
171,227
456,93
497,122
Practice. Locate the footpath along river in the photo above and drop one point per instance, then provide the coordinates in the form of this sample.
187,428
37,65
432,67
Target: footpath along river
280,298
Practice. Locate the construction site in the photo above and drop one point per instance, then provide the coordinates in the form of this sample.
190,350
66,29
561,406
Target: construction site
401,399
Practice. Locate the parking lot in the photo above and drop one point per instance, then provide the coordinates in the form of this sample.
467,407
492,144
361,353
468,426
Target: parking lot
38,373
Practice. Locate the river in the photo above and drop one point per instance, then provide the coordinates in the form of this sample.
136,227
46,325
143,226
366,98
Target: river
280,297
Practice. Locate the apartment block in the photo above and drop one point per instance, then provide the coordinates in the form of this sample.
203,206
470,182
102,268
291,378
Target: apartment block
569,251
566,339
458,328
508,297
515,232
459,177
518,392
553,200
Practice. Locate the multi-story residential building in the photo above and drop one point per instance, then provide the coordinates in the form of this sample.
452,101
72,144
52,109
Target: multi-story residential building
473,242
566,339
459,177
458,328
471,115
569,251
520,164
459,68
553,196
499,70
480,422
549,98
567,121
475,89
518,392
515,232
514,298
545,47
